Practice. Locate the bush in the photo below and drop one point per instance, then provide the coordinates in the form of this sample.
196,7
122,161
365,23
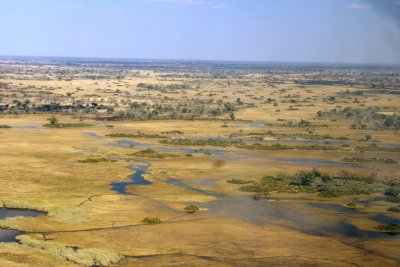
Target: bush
389,227
394,209
393,191
191,209
393,199
150,220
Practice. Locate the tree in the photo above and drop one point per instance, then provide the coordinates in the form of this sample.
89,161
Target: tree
326,178
393,191
345,176
315,172
305,178
191,209
53,120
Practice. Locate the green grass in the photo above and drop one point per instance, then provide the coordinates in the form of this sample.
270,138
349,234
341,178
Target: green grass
5,127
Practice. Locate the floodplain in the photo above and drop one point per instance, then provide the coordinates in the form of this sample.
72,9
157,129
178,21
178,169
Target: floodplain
198,164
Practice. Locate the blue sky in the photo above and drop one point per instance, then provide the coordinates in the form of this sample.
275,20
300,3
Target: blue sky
359,31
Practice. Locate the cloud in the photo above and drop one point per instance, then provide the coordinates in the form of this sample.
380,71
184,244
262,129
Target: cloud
358,6
197,3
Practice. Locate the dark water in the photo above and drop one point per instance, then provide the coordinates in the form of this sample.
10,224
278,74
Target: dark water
137,179
10,235
311,218
128,143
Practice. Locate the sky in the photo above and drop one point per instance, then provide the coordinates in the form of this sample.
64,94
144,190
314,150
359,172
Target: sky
335,31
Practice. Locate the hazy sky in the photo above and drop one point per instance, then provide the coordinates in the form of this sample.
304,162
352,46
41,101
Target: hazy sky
359,31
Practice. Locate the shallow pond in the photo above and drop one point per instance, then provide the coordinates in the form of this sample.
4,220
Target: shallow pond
189,187
9,235
311,218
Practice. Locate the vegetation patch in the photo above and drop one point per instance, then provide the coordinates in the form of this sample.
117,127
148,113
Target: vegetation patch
393,199
238,181
369,160
345,183
150,153
242,145
81,256
151,220
54,123
191,209
173,132
391,228
5,127
394,209
135,135
96,160
293,136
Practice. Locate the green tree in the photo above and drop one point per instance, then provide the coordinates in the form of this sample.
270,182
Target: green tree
53,120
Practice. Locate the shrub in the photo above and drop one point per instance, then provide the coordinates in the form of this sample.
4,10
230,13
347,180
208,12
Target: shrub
392,191
150,220
394,209
389,227
191,209
393,199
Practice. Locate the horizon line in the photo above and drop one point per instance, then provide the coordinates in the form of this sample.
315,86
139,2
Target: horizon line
205,60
